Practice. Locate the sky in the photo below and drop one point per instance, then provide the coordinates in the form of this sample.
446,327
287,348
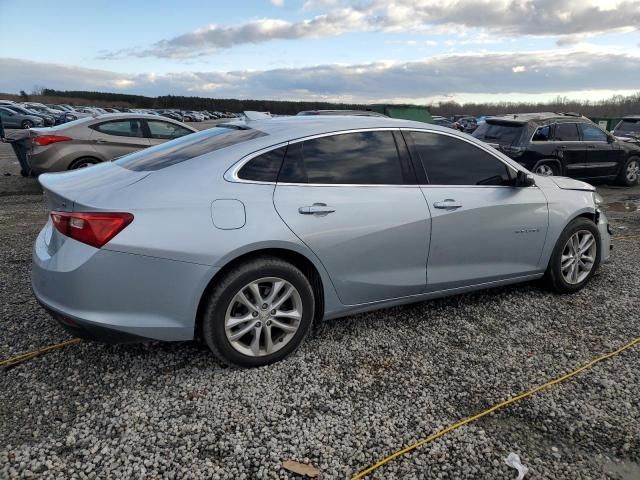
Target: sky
364,51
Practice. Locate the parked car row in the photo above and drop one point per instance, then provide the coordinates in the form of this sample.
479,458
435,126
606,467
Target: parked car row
24,114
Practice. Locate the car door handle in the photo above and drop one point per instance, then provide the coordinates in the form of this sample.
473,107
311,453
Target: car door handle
448,204
100,140
320,209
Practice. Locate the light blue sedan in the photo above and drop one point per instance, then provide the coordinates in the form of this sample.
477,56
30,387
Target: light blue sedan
245,234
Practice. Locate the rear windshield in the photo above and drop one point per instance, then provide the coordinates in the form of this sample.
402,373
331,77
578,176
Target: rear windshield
187,147
632,126
502,133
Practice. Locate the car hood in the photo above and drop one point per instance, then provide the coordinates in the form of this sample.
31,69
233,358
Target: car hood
566,183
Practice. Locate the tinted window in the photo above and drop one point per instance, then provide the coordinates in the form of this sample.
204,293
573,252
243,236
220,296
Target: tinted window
121,128
567,132
629,126
591,133
352,158
502,133
543,134
187,147
451,161
166,130
265,167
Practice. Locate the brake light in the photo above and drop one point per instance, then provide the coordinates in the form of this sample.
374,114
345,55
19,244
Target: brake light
43,140
92,228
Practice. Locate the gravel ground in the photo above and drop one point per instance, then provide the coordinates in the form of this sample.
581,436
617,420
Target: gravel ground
359,388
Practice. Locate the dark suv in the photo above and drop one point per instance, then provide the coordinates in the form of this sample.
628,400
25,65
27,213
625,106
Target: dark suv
562,144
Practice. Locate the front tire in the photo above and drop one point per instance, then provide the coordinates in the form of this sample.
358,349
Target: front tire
575,258
630,172
259,313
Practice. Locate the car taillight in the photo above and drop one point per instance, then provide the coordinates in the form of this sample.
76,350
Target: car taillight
92,228
43,140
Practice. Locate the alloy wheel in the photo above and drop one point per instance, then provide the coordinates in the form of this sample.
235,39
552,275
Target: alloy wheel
633,170
263,316
544,170
578,257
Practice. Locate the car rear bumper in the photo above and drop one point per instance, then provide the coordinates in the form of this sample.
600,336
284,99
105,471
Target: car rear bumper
113,296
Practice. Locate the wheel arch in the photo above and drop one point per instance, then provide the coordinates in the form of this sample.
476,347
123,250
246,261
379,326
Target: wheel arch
313,271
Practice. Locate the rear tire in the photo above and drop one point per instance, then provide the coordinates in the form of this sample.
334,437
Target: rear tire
83,162
27,124
630,172
573,263
547,169
234,316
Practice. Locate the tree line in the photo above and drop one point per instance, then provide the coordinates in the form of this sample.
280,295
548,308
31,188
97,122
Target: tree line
613,107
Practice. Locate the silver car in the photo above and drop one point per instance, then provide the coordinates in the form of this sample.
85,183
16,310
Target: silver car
245,234
87,141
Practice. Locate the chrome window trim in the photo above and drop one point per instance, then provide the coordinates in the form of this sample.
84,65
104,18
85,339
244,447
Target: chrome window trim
231,175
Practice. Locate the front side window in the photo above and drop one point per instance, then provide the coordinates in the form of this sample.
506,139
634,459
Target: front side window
361,158
166,130
566,132
591,133
121,128
187,147
450,161
543,134
263,168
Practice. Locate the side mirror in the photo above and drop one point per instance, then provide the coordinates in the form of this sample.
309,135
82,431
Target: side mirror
524,180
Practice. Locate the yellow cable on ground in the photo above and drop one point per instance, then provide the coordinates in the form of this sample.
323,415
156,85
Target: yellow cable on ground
22,357
442,432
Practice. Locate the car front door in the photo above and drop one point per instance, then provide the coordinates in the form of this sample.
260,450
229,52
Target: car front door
9,119
570,149
116,138
352,199
483,228
603,159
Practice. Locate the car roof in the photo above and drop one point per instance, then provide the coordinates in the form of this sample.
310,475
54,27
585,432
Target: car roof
536,117
306,125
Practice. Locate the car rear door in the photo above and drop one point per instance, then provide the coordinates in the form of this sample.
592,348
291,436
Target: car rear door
115,138
570,149
483,229
603,158
352,199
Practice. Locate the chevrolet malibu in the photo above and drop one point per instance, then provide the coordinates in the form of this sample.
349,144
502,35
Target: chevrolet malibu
245,234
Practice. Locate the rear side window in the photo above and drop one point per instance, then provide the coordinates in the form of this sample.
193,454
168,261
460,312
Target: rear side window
121,128
362,158
591,133
187,147
567,132
543,134
263,168
451,161
166,130
502,133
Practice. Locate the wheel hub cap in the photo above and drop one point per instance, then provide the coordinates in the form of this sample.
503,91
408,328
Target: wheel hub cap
578,257
263,316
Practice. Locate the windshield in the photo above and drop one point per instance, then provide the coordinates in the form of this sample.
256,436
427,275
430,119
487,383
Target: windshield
187,147
631,126
502,133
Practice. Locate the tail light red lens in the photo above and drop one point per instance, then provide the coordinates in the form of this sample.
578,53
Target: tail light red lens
43,140
93,228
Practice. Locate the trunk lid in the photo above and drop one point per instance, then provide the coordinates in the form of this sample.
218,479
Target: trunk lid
77,190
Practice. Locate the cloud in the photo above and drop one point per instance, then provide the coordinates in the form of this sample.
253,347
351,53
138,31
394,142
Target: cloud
546,72
567,19
277,3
